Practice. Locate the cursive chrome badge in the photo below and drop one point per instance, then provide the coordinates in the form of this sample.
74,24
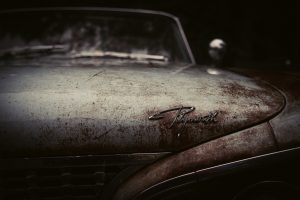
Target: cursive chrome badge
181,116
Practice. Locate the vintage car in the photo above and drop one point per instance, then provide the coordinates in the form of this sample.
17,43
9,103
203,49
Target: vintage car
101,103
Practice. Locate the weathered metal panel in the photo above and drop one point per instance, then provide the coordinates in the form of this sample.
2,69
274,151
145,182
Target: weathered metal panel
247,143
286,125
75,108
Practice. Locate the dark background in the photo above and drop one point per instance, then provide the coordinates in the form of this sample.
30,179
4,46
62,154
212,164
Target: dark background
261,33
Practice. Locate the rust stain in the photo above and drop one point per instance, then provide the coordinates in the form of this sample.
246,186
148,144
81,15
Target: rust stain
185,135
264,93
237,90
115,120
251,142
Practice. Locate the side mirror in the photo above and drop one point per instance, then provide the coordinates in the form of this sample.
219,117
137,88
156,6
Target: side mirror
216,51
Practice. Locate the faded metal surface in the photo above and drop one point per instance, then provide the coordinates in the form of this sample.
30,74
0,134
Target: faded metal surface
72,108
247,143
270,165
286,125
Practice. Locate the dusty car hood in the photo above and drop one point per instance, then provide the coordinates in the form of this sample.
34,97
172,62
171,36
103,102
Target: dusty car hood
80,109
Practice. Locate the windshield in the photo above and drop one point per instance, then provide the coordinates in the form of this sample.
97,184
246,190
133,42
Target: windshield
100,34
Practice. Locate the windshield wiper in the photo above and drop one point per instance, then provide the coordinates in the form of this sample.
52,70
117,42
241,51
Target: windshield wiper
47,49
31,50
120,55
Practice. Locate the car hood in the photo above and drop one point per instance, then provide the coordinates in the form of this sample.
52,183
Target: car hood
80,109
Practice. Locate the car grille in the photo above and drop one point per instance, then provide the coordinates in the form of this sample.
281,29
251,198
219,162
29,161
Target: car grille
55,179
81,182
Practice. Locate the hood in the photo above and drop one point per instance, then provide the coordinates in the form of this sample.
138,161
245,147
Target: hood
286,125
82,109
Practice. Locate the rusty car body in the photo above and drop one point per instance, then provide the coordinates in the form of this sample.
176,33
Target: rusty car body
148,123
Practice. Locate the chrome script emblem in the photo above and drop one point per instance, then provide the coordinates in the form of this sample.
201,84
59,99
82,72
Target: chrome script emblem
181,116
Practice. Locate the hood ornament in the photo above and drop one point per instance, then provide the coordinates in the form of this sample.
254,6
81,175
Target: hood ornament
181,116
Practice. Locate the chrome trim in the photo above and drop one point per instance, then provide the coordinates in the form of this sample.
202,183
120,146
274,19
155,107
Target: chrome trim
48,162
158,115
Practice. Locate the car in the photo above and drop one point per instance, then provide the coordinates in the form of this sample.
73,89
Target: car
108,103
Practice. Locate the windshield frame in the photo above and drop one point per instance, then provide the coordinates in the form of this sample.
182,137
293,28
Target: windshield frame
187,50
